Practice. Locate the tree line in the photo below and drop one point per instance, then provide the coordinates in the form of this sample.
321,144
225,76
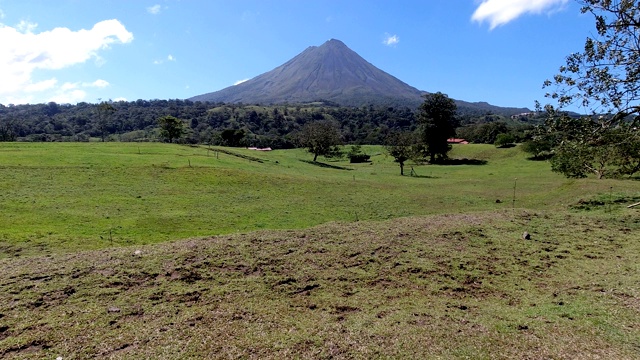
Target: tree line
273,126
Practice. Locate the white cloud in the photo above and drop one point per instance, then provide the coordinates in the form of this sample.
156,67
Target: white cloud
24,51
154,10
41,86
99,84
240,81
1,14
26,27
169,58
391,40
69,97
68,86
500,12
120,99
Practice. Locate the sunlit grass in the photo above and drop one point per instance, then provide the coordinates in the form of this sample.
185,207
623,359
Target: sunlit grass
82,196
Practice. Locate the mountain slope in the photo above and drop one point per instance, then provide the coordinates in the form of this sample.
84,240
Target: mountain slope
332,72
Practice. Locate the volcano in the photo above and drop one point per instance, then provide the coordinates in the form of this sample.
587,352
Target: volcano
330,72
335,74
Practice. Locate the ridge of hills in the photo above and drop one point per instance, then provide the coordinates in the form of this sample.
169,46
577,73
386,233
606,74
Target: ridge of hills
336,74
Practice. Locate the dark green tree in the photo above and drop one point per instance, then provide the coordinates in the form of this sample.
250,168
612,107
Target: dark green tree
505,140
105,114
7,129
402,147
356,155
438,118
540,148
171,128
320,137
233,137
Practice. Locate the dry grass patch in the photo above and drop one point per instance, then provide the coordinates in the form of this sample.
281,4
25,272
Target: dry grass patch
447,286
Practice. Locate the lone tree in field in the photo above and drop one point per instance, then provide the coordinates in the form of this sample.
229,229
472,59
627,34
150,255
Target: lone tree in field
605,80
233,137
402,147
105,113
171,128
438,118
320,138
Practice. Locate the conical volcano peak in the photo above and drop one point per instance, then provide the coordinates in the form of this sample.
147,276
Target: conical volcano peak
331,71
334,42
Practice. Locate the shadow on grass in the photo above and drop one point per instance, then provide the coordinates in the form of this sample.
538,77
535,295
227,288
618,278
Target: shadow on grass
424,177
242,156
325,165
542,157
464,161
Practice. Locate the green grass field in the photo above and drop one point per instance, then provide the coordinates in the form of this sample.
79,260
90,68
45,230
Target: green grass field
340,261
88,196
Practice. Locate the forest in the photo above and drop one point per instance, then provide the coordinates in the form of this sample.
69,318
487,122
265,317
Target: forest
272,126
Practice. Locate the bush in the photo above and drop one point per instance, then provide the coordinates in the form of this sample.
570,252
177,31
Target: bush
359,158
356,155
505,141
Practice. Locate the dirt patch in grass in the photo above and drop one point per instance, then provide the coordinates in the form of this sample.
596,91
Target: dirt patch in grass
449,286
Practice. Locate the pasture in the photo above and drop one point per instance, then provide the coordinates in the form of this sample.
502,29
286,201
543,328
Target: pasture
88,196
128,251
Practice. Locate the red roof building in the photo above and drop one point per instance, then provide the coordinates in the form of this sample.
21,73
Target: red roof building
457,141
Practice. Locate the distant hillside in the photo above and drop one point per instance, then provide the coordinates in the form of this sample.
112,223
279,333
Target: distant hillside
334,73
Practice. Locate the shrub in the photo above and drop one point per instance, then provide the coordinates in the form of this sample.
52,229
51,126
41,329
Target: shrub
505,141
356,155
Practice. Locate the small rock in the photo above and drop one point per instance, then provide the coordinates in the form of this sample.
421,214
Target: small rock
526,236
113,309
137,253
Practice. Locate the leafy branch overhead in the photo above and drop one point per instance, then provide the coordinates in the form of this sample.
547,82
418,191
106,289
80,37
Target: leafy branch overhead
604,79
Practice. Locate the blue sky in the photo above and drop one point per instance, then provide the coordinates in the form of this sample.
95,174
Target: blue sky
499,51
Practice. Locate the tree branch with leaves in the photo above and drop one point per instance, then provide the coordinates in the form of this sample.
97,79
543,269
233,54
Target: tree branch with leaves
604,79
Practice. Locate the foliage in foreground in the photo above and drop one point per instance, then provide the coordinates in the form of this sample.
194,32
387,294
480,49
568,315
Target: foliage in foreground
604,79
584,146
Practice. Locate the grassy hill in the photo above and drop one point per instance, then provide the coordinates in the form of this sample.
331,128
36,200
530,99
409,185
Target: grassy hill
433,268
